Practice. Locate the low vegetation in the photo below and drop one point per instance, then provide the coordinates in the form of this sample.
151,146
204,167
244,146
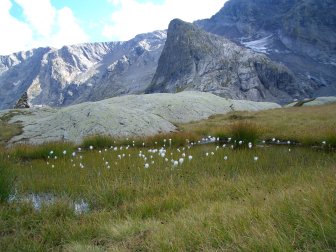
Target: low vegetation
306,125
169,193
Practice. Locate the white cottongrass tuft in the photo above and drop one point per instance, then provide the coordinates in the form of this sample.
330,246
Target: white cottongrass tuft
146,165
190,157
256,158
225,158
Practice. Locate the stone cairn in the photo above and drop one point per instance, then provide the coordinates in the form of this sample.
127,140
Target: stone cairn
22,102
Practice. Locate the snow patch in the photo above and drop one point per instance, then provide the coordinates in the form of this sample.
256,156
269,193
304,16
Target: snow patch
260,45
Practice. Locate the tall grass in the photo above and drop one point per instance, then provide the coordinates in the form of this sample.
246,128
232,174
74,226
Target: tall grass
283,201
6,180
43,151
245,131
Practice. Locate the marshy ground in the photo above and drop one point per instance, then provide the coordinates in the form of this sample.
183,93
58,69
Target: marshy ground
175,196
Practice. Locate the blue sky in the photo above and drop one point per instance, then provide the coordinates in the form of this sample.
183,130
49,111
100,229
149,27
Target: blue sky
26,24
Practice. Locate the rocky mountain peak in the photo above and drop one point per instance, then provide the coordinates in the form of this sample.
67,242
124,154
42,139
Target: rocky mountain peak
193,59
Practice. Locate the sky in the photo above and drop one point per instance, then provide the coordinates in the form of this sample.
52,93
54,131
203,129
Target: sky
27,24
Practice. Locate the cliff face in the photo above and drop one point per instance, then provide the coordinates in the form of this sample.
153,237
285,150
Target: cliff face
196,60
299,33
79,73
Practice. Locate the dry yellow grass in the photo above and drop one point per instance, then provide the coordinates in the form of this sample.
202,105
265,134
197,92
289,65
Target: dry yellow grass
303,124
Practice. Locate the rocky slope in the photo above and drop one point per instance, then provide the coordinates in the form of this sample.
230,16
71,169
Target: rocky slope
80,73
196,60
299,33
131,115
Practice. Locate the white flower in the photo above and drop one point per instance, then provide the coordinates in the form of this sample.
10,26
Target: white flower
225,157
181,160
212,153
289,150
52,166
183,154
175,163
64,152
73,154
91,147
207,154
146,165
288,142
51,152
240,142
166,159
256,158
324,142
190,157
273,139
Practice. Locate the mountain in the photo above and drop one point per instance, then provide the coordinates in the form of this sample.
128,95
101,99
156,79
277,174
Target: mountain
80,73
262,50
299,33
193,59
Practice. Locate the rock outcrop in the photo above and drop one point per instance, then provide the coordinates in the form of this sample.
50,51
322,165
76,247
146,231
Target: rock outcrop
299,33
193,59
22,102
131,115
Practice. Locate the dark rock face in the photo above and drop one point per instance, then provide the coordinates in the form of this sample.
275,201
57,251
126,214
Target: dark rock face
299,33
196,60
22,102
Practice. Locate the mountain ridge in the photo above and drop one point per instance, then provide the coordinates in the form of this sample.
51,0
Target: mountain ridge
78,73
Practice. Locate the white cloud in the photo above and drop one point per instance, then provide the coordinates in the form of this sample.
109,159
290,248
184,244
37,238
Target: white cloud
36,11
133,17
15,35
44,26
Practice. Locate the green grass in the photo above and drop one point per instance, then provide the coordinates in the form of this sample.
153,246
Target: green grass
307,125
284,201
6,180
8,130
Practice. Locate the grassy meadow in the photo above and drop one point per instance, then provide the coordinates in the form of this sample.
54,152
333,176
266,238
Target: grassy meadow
153,194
